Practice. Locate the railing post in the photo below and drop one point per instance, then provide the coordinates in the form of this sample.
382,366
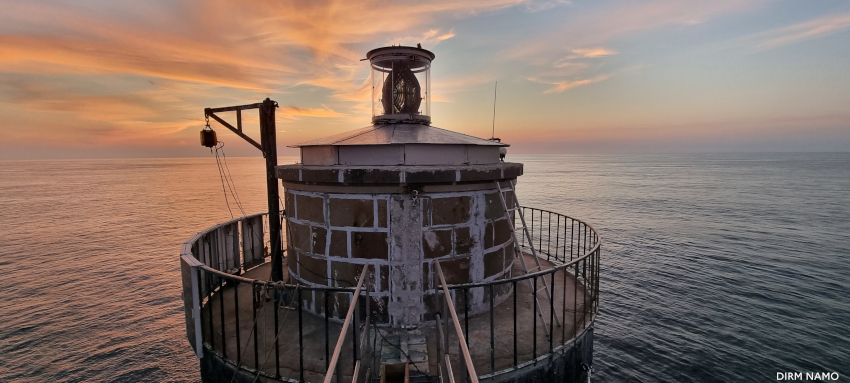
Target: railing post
575,301
355,324
466,315
549,236
492,334
446,310
210,283
464,349
276,306
557,234
300,336
564,304
552,311
572,236
515,327
221,307
327,333
236,314
536,304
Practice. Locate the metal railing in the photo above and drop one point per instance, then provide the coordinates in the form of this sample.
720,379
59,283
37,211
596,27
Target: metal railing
573,248
246,336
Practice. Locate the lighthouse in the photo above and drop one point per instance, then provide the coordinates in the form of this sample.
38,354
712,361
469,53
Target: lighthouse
398,195
407,257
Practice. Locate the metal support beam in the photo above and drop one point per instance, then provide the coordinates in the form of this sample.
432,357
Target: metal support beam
234,130
234,108
268,145
268,136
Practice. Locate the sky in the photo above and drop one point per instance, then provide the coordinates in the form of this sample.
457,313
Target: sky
101,79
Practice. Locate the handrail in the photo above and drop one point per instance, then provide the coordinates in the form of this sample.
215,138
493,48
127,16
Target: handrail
348,319
186,249
462,340
536,274
577,257
208,277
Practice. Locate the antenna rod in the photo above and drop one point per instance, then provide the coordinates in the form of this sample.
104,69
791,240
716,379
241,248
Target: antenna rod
494,110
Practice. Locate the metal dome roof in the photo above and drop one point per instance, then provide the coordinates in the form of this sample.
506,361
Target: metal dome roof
398,134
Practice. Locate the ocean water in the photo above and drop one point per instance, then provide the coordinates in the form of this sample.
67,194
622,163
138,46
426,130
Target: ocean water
716,268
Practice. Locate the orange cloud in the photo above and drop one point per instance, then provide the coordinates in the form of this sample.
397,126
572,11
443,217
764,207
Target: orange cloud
564,85
294,112
178,60
592,52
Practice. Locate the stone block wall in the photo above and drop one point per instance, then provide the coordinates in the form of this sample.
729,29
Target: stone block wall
333,235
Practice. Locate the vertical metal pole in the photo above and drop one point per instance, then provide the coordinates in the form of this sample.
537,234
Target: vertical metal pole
210,285
221,306
540,231
300,337
534,317
585,238
575,301
564,305
565,241
466,315
530,233
523,236
552,311
584,292
572,236
368,298
446,314
492,334
515,327
327,334
598,269
236,311
355,322
557,234
277,296
254,317
268,140
549,236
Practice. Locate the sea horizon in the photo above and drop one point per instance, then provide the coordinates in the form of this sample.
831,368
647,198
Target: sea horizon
711,267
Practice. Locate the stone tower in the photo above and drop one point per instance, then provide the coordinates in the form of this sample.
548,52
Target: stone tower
398,195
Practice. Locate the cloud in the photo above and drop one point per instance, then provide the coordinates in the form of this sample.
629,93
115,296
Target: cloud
601,25
592,52
295,112
582,53
564,85
428,39
95,74
545,5
816,28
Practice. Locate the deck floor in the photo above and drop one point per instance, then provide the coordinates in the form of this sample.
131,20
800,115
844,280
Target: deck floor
224,339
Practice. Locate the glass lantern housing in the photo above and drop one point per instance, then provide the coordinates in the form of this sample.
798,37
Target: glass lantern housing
401,84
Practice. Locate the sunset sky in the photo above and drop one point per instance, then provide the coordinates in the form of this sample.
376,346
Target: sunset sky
91,79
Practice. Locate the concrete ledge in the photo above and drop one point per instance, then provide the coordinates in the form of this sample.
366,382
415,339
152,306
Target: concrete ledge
397,175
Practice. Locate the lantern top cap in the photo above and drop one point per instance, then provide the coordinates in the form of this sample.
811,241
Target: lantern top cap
383,57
